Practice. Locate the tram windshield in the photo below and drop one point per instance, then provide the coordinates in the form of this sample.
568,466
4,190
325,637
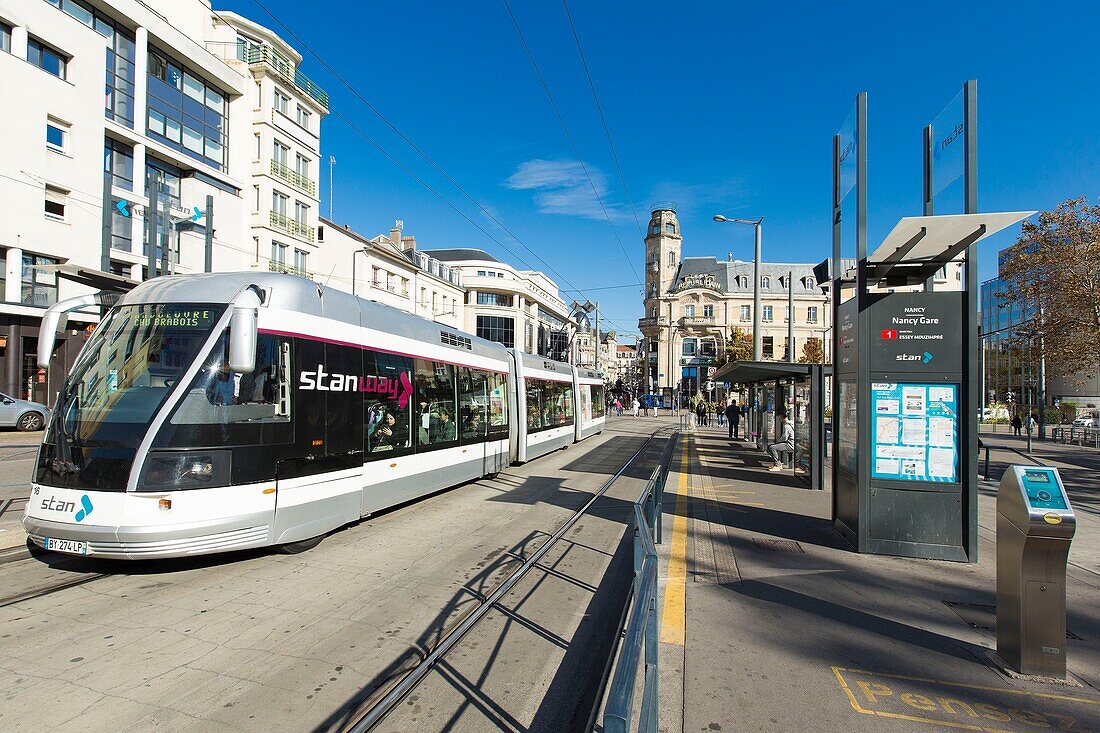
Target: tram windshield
122,376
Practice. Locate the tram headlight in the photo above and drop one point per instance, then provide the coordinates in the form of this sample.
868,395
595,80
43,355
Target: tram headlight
172,470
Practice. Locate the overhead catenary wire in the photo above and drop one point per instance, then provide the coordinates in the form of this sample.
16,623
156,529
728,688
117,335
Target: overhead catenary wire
603,119
420,152
569,137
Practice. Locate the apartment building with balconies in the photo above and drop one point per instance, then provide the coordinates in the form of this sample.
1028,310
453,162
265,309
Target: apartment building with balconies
284,109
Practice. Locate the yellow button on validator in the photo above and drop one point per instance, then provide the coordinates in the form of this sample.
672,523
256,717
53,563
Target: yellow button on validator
1052,518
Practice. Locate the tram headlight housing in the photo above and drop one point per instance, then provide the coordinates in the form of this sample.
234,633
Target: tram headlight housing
179,470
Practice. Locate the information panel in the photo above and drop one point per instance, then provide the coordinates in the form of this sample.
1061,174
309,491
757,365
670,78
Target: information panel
914,431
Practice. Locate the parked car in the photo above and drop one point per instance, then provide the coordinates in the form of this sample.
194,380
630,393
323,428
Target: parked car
1085,422
22,414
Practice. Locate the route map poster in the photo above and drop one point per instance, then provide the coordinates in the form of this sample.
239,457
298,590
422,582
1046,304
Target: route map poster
914,431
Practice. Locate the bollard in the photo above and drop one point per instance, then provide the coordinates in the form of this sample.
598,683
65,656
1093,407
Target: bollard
987,463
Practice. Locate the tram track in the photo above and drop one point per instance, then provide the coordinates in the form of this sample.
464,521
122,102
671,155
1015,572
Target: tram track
385,699
63,584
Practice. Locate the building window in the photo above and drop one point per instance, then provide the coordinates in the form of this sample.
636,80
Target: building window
278,253
301,212
405,286
811,314
496,328
377,278
39,287
301,116
122,269
787,344
689,311
653,312
47,59
278,203
184,112
282,101
746,312
164,180
765,282
708,348
57,201
279,152
256,196
653,290
301,260
118,160
121,55
670,228
767,313
122,229
656,229
689,347
497,299
5,38
786,313
810,283
258,147
671,259
708,311
57,135
768,347
301,166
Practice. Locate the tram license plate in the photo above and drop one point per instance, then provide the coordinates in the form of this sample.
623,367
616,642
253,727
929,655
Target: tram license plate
70,546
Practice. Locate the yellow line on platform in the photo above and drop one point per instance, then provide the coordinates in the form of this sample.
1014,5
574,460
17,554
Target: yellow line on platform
672,617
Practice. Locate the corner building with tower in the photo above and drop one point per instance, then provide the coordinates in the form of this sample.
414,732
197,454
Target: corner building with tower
695,305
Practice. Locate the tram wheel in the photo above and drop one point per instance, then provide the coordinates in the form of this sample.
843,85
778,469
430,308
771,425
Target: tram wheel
293,548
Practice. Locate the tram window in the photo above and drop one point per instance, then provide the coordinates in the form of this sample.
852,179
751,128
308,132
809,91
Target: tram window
498,403
599,407
534,403
218,396
473,403
435,399
549,404
388,405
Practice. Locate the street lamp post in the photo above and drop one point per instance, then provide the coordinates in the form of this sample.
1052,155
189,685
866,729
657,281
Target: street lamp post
757,338
362,251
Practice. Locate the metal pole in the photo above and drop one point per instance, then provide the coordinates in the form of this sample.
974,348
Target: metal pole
1042,380
597,336
790,316
151,184
331,163
209,264
105,242
930,283
1027,386
757,337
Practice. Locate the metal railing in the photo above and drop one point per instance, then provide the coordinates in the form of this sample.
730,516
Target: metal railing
1083,437
269,57
642,623
293,177
284,268
697,321
292,227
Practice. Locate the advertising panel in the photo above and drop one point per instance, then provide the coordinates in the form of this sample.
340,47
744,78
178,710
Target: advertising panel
915,432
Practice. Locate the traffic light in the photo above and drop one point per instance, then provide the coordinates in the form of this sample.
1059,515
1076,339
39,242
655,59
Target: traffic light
1010,397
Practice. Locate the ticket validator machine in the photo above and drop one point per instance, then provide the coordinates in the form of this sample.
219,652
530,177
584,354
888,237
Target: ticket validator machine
1035,524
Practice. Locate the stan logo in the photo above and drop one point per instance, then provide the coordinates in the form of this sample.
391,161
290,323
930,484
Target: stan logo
927,357
51,504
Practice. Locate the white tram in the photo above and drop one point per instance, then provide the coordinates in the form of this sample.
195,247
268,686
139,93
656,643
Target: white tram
225,411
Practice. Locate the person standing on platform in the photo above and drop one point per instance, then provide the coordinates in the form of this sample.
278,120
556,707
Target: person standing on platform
1017,425
786,442
634,406
701,413
733,418
719,415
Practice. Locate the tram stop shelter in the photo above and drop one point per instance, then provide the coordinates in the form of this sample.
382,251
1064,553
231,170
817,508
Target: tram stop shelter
801,391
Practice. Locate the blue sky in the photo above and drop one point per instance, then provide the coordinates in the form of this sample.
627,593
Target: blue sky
721,107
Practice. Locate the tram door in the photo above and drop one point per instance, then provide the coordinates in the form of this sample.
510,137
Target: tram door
319,481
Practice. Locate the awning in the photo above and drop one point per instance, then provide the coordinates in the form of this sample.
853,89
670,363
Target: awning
918,246
91,277
747,372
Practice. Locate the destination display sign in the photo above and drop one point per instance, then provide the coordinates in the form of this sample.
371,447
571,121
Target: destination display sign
916,333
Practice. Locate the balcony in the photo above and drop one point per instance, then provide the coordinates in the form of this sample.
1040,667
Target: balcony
286,269
294,178
294,228
273,60
658,321
697,321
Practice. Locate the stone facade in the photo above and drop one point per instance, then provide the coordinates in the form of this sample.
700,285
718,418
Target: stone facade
693,305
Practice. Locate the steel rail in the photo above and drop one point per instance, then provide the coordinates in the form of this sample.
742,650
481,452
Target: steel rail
413,677
39,592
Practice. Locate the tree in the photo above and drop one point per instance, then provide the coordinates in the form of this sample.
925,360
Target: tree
1052,275
739,346
812,351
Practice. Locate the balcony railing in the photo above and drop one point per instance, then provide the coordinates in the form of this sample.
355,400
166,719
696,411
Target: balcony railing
288,269
657,321
292,227
285,68
293,177
697,321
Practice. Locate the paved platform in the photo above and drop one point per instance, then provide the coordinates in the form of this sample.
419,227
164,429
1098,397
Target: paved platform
770,623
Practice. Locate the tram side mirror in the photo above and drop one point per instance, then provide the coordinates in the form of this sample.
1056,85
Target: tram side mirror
242,340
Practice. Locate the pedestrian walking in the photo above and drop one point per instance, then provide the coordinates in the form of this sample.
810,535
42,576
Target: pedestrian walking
618,407
1017,425
1031,424
786,442
720,415
634,406
733,418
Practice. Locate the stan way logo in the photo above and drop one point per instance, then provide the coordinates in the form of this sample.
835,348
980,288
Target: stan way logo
396,388
927,357
889,333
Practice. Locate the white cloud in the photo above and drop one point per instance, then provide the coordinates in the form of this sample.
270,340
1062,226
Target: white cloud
561,187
